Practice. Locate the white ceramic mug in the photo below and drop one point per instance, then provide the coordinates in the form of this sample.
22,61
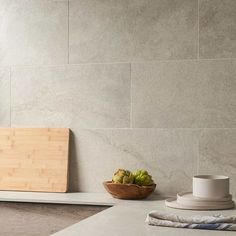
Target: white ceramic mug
210,186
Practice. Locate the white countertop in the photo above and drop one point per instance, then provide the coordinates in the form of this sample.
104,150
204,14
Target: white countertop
123,218
128,219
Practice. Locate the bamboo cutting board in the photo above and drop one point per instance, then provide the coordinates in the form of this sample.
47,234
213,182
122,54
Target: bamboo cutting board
34,159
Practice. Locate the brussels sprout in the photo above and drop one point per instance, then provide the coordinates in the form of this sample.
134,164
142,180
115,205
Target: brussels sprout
123,177
141,177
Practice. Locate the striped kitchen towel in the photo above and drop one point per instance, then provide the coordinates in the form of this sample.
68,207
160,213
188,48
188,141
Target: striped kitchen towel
215,222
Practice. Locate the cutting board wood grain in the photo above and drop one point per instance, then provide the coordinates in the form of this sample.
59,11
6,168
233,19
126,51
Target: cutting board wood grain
34,159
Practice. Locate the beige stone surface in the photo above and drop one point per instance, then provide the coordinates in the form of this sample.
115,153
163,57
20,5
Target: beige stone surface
132,30
33,32
4,97
129,219
147,114
217,151
169,155
91,160
184,94
217,28
78,96
27,219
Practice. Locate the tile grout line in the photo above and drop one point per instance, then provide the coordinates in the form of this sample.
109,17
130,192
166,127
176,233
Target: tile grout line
198,59
68,32
198,33
149,128
201,133
131,104
10,97
198,154
133,62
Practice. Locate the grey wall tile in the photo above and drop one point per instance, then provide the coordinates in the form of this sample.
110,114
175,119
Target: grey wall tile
217,154
132,30
166,94
184,94
33,32
91,160
85,96
4,97
169,155
217,28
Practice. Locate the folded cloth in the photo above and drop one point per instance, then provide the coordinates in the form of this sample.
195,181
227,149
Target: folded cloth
215,222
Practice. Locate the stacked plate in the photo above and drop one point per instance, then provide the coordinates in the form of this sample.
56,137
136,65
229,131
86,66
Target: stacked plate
209,193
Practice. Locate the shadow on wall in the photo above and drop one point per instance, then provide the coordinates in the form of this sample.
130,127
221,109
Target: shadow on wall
73,175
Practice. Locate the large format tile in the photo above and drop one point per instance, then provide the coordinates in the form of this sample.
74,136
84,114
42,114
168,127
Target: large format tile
169,155
4,97
184,94
91,160
131,30
85,96
33,32
217,154
217,28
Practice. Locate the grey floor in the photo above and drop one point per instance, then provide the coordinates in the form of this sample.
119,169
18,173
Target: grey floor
31,219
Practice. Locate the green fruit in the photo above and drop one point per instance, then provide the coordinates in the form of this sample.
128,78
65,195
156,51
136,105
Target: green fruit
142,178
123,177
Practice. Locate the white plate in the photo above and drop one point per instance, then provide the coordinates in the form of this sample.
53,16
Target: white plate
189,195
172,202
190,200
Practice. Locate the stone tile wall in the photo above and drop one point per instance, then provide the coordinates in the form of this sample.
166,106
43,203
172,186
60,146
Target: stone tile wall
141,83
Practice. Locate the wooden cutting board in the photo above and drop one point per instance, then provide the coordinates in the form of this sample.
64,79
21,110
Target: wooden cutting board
34,159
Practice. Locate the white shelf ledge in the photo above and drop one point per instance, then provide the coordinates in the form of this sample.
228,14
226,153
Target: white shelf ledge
102,199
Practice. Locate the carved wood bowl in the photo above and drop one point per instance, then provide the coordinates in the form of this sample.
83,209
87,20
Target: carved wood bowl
128,191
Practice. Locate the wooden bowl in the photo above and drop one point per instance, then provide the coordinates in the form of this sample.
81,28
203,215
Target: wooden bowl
128,191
